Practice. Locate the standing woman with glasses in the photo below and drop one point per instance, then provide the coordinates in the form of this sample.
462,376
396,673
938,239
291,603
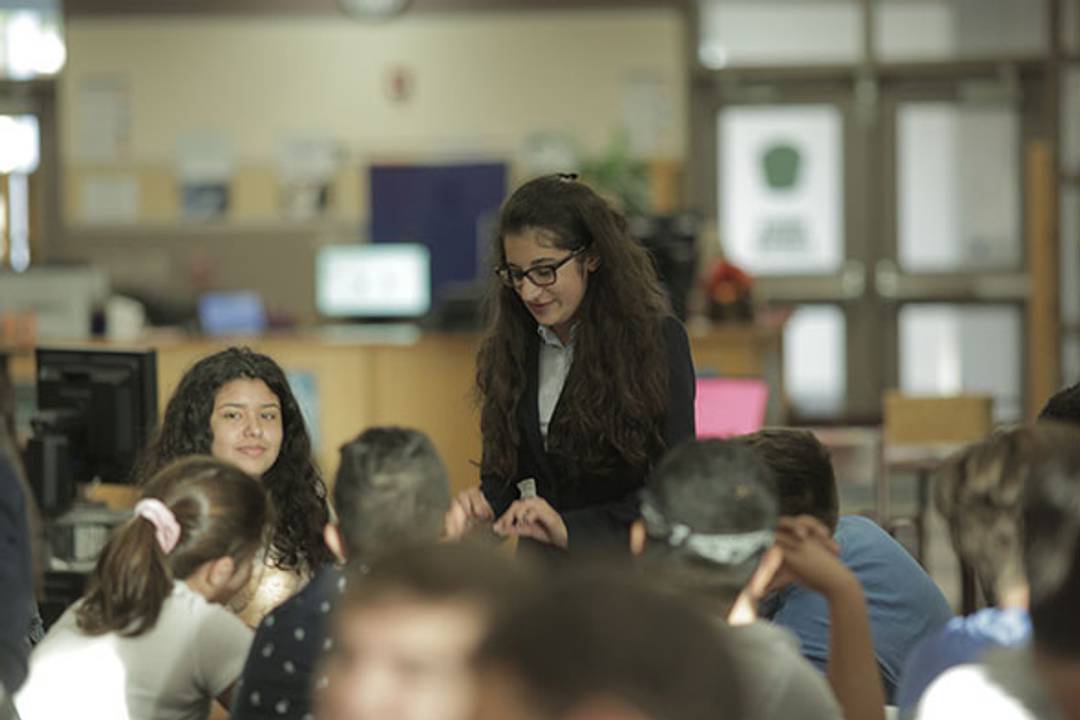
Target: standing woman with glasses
584,378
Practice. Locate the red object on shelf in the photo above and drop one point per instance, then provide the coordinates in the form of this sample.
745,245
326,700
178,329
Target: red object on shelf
729,290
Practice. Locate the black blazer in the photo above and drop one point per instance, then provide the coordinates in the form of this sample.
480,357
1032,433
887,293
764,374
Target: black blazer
597,510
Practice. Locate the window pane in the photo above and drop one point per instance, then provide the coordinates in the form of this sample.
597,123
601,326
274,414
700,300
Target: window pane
1070,25
951,29
1070,359
31,39
1070,120
958,187
20,144
950,349
1070,255
772,32
815,366
781,179
1070,284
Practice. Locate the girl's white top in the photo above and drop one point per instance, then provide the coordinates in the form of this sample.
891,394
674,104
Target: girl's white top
193,653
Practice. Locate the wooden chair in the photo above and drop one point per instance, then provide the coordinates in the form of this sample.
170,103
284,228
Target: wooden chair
919,433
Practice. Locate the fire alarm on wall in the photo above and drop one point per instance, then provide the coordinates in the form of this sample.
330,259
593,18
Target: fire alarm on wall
400,84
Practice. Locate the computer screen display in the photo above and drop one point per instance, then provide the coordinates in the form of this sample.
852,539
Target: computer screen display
232,313
373,281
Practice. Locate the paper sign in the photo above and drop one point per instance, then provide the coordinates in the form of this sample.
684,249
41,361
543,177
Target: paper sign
109,200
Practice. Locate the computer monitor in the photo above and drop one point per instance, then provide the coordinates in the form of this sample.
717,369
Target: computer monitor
97,409
386,281
232,313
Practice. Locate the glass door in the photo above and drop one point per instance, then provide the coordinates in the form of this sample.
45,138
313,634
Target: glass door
790,210
951,278
896,236
868,163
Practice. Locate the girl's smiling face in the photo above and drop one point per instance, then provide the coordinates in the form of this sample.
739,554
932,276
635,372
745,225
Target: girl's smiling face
246,426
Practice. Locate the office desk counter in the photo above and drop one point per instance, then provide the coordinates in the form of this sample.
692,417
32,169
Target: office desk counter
352,378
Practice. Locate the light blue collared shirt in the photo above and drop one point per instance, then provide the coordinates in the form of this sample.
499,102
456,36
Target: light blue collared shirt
555,361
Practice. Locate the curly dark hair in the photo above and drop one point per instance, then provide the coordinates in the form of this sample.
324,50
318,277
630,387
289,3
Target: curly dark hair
295,487
614,400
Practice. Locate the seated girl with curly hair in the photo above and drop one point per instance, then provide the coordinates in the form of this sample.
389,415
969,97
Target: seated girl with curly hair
236,405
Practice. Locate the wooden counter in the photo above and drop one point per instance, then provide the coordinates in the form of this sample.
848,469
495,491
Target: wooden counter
362,380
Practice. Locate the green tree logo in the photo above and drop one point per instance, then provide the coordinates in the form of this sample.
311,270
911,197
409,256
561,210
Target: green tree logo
781,162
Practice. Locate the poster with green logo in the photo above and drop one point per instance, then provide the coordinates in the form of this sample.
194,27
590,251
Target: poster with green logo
781,188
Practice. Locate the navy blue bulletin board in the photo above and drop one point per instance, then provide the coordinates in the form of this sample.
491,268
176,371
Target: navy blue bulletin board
449,208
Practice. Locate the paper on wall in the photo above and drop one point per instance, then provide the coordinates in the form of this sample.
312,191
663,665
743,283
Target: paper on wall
647,113
102,133
109,200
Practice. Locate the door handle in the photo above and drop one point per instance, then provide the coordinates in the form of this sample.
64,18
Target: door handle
853,280
887,279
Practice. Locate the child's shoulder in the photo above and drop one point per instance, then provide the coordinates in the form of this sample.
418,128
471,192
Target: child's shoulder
186,605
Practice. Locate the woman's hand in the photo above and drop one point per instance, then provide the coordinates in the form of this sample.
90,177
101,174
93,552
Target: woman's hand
534,518
468,510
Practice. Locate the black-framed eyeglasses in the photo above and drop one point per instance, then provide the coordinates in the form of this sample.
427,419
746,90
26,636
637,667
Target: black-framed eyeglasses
539,275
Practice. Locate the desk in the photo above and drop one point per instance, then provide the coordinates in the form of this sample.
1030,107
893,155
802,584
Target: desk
423,382
920,460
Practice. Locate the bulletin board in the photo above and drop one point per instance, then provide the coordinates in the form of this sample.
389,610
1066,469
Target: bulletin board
452,209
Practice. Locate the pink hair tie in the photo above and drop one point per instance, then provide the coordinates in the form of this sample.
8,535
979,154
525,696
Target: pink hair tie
166,529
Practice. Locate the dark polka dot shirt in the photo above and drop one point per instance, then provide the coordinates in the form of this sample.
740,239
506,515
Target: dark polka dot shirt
279,674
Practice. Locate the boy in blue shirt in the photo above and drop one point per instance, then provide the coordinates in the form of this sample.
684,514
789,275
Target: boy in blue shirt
904,602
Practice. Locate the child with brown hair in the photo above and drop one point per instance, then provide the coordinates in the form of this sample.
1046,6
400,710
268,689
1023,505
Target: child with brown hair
149,638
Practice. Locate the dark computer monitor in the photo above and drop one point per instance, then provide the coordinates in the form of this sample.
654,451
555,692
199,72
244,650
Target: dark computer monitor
97,409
